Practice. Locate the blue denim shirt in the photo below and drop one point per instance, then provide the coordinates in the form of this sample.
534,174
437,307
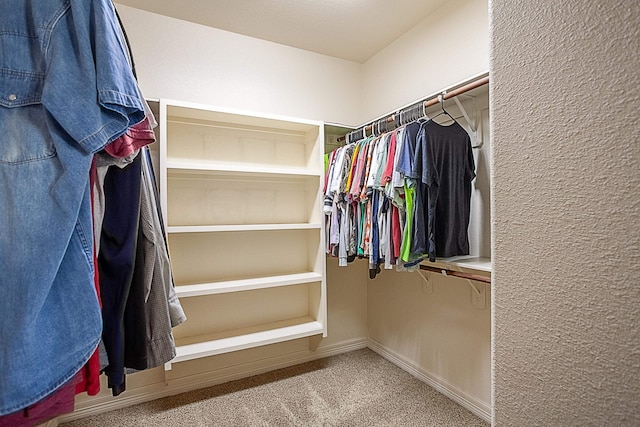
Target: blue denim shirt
66,90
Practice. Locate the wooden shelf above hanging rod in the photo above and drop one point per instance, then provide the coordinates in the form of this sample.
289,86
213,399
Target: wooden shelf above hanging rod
454,273
433,100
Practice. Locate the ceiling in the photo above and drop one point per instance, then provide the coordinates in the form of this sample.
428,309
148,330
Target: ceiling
353,30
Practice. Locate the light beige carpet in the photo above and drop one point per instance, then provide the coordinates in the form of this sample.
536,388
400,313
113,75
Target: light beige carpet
355,389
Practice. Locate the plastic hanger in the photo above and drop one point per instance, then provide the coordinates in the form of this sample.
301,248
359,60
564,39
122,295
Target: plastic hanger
441,100
382,125
413,113
424,110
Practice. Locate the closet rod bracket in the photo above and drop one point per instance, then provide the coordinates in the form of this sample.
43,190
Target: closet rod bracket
478,295
478,291
473,125
427,286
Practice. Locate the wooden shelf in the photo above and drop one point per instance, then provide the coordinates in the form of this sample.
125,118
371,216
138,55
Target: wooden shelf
238,168
462,262
189,348
184,291
190,112
239,227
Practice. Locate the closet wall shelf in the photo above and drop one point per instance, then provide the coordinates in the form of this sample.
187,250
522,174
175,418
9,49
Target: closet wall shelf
237,168
189,348
462,263
195,113
239,227
476,271
184,291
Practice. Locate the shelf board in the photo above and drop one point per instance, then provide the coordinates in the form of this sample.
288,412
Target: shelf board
240,227
465,262
204,167
181,110
210,345
184,291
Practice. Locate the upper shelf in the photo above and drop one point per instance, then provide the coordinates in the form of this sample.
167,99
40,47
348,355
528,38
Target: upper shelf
187,166
239,227
202,138
190,111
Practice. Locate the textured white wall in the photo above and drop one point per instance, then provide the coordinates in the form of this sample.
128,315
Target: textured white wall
437,332
180,60
447,47
566,212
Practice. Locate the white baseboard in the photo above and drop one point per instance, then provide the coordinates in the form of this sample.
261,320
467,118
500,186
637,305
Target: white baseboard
99,405
479,408
103,404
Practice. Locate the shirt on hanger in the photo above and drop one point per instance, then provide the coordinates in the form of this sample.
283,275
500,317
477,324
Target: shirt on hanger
448,169
67,90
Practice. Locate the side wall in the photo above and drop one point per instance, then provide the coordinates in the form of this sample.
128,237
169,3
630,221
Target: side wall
566,212
447,47
189,62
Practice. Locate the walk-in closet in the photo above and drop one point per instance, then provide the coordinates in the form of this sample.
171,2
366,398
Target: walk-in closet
285,213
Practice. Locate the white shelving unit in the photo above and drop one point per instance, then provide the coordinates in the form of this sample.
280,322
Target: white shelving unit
241,199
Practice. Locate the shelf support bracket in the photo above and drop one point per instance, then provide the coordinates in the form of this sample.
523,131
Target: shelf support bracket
472,123
167,368
314,342
427,286
478,295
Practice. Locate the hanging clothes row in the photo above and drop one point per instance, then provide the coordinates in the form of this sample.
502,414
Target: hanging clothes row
139,303
398,197
61,103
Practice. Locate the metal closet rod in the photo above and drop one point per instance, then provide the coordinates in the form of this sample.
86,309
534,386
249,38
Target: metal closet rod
433,100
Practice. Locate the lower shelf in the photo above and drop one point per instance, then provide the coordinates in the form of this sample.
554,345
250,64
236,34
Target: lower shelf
189,348
184,291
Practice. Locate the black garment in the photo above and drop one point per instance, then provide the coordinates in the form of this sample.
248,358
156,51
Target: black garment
447,170
116,261
135,313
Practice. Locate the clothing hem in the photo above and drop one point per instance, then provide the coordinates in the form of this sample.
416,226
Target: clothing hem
55,385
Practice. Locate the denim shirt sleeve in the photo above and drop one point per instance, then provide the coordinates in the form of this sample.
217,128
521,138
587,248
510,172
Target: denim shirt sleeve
86,57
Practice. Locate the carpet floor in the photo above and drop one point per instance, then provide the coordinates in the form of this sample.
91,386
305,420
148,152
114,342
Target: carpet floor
354,389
